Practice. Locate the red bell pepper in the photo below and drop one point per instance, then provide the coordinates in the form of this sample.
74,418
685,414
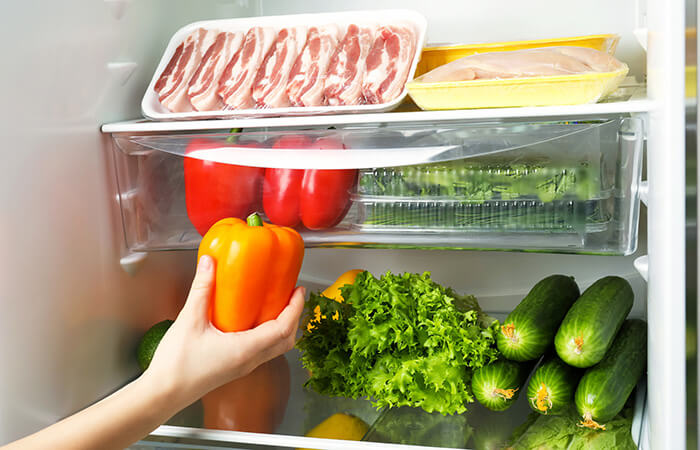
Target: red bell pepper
316,198
214,191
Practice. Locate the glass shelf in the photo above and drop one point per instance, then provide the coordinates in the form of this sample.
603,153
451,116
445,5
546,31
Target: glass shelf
630,98
246,415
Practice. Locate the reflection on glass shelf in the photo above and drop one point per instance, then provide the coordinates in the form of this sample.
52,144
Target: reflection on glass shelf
271,409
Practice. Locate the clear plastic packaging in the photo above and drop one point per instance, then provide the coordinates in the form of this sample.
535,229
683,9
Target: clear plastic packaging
437,55
529,77
153,109
515,192
540,186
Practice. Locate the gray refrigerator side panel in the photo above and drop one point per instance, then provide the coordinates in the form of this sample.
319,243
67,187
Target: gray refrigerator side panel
70,317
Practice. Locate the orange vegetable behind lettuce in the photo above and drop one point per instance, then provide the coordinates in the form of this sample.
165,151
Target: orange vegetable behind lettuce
333,291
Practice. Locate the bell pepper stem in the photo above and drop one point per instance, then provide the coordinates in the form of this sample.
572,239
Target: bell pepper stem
254,220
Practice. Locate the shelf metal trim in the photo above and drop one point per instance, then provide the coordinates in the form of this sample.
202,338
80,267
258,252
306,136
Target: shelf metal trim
279,440
143,126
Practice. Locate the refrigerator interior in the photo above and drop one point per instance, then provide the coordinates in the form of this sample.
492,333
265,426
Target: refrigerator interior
89,298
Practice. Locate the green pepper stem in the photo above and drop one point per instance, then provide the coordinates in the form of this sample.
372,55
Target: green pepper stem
254,220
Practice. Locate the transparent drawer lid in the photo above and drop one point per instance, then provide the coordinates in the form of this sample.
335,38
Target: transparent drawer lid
374,147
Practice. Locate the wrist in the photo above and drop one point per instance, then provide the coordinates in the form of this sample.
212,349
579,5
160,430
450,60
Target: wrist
161,391
170,391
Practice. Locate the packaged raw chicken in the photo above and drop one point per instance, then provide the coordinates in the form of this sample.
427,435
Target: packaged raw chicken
535,62
530,77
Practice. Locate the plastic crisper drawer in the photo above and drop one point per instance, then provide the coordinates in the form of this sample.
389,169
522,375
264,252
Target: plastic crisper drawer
534,186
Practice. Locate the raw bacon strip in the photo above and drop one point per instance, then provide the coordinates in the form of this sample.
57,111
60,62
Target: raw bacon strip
205,81
343,84
305,87
270,87
173,82
388,64
236,83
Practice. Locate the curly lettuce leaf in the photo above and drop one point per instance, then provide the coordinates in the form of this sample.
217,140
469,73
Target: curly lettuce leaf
402,340
325,351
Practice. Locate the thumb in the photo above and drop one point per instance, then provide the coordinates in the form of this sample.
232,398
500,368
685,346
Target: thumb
202,288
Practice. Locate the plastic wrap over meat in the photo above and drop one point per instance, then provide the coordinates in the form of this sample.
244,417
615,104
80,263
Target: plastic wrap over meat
348,66
174,81
536,62
388,63
308,74
205,81
236,83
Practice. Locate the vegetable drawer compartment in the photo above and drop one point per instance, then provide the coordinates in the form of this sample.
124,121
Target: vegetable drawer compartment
549,186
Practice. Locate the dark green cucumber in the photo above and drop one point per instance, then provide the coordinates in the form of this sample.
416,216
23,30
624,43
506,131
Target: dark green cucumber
497,385
529,329
552,386
604,388
590,326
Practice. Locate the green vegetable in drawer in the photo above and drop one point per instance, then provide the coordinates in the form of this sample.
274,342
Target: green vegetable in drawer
529,329
588,330
485,179
513,215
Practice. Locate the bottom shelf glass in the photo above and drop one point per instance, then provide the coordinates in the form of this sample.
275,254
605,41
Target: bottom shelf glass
271,409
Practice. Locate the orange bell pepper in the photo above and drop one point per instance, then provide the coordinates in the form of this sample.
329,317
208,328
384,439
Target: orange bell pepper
257,265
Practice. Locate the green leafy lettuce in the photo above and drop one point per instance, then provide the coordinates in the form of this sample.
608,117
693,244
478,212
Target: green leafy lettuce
402,340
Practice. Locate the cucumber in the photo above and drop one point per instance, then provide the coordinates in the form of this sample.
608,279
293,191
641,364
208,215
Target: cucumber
590,326
497,385
604,389
552,386
529,329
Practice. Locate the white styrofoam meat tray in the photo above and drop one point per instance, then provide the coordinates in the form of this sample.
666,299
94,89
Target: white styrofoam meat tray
152,108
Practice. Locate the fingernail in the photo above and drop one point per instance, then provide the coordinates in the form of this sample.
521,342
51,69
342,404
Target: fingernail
303,291
205,262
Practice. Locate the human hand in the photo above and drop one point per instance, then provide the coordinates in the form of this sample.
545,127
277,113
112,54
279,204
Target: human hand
195,357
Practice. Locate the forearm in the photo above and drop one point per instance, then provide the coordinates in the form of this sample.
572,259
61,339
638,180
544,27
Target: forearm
113,423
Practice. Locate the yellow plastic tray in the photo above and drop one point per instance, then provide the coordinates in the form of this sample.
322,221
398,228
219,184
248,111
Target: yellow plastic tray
691,79
432,57
512,92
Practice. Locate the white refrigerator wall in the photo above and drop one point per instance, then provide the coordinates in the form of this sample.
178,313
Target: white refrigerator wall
70,317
